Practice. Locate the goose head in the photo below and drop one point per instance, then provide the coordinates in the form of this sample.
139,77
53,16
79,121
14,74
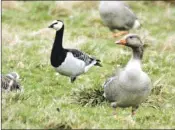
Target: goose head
14,75
57,25
131,40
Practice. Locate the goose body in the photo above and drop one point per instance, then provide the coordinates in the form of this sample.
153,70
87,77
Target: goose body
9,81
118,16
130,86
75,63
69,62
67,68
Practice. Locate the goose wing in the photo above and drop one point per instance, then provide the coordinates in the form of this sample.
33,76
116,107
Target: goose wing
111,86
112,77
128,9
84,57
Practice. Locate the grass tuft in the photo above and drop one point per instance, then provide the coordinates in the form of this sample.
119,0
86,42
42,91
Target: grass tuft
63,125
87,96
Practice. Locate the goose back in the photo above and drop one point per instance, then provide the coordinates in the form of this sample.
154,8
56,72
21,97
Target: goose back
117,15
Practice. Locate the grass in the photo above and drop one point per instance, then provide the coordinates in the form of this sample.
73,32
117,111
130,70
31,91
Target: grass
49,100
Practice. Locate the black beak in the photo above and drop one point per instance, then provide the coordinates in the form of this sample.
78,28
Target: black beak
51,26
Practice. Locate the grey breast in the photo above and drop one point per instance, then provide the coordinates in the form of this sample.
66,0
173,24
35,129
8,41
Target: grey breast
126,93
117,15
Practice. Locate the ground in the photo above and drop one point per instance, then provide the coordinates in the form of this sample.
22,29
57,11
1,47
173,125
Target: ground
49,100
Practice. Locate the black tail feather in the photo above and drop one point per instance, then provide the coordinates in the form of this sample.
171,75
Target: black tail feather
98,63
97,60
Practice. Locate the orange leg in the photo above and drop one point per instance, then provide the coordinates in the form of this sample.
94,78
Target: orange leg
120,33
114,106
134,110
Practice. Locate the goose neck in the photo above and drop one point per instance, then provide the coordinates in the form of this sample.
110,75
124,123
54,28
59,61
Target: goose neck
137,53
58,39
135,61
57,49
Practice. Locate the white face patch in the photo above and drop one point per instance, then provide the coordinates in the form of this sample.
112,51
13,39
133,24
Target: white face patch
55,21
57,25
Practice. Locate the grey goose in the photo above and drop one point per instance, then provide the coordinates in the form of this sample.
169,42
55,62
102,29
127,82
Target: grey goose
10,82
118,16
69,62
130,86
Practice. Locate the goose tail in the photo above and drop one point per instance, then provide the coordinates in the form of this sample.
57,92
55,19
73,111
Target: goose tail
98,63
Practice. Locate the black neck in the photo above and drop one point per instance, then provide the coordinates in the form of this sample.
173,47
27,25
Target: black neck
138,53
59,39
57,49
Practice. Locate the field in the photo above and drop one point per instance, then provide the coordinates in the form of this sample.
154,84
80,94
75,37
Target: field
49,100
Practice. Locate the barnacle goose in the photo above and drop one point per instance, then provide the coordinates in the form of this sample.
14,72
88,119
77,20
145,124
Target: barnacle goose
10,82
69,62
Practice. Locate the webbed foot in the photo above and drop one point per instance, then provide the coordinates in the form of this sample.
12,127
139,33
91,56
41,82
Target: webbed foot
120,33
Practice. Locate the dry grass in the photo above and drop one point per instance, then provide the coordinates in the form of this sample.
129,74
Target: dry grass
169,43
12,5
61,10
86,5
171,1
10,39
9,4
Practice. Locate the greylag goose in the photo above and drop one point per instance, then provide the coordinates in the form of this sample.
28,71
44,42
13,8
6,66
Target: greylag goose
130,86
9,81
69,62
117,15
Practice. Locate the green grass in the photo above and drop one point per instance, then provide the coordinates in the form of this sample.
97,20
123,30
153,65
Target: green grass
27,51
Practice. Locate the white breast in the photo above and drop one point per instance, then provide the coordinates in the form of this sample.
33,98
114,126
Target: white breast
133,69
71,66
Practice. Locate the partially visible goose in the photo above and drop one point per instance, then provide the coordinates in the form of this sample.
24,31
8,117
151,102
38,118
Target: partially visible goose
10,82
69,62
130,86
117,15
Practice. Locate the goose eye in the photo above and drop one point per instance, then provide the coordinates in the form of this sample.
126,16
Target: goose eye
131,37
